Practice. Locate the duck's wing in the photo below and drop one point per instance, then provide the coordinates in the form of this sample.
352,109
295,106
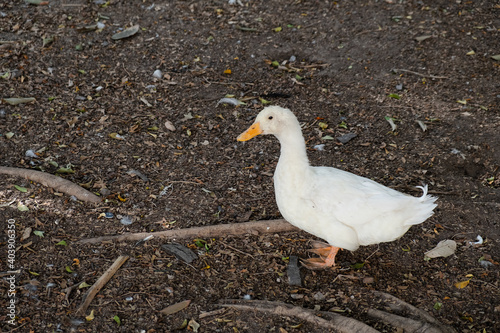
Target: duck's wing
375,212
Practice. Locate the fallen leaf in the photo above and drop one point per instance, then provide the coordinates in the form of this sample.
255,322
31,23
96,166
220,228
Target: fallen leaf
90,316
422,38
496,57
83,285
176,307
20,188
391,121
170,126
444,248
193,325
117,319
26,233
422,125
462,284
126,33
20,100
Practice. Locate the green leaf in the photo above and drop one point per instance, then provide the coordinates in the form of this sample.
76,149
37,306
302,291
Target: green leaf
438,305
396,96
263,101
322,125
34,273
83,285
63,243
275,63
39,233
358,265
21,189
5,75
343,124
81,71
117,319
298,77
68,269
65,170
52,98
22,208
462,101
327,137
277,29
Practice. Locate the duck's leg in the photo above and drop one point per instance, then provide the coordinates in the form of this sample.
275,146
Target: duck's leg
326,260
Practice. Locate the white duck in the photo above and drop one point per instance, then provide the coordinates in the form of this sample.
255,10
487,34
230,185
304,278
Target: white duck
344,209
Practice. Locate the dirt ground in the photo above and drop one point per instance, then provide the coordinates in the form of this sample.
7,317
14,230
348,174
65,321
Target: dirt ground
162,153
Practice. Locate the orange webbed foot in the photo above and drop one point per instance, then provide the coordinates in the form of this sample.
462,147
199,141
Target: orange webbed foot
326,260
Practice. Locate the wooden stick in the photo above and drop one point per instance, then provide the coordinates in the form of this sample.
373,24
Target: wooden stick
254,227
97,286
55,182
420,74
338,322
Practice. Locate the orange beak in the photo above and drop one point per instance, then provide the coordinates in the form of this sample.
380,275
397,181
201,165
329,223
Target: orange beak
253,131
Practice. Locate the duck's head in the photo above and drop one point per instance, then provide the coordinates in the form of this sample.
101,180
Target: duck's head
271,120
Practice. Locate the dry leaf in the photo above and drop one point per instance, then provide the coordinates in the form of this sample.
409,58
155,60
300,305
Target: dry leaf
444,248
176,307
462,284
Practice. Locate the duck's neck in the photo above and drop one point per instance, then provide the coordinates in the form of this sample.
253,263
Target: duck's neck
293,149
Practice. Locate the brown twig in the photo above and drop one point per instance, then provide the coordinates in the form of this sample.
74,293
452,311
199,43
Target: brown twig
254,227
337,322
97,286
420,74
55,182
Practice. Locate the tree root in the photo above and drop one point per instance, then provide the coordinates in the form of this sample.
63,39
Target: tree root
337,322
254,227
57,183
422,322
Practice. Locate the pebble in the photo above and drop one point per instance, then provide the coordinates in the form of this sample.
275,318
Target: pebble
157,74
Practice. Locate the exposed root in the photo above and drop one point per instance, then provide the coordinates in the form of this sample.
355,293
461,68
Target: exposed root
254,227
57,183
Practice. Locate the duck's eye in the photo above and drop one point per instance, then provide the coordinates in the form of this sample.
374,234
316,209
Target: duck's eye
270,117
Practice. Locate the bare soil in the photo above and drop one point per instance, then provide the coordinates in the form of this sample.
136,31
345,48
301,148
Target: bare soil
346,64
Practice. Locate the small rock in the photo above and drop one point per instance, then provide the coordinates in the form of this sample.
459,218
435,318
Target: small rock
157,74
399,86
296,296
